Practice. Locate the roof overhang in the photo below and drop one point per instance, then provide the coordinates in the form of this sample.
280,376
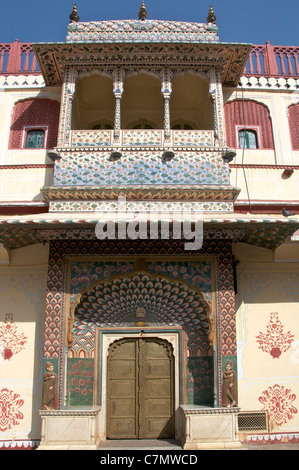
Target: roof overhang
55,58
263,231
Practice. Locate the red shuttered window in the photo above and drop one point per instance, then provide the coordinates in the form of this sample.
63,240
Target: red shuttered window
251,117
32,118
294,125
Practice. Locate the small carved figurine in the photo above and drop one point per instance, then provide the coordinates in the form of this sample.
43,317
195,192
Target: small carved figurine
50,396
229,386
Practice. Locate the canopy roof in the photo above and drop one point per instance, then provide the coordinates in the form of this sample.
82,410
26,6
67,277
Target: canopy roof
260,230
53,59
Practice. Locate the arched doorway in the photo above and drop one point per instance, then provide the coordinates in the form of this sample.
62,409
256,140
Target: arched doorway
150,305
140,389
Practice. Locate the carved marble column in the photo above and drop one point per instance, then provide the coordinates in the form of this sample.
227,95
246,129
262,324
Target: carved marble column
64,132
166,90
117,117
212,91
166,117
215,90
118,88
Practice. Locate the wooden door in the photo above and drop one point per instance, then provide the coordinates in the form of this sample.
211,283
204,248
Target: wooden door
140,389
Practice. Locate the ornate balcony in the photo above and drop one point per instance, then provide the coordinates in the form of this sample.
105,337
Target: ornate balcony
143,138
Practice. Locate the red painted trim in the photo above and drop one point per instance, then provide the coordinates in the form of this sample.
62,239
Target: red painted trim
258,166
22,210
27,167
262,208
19,445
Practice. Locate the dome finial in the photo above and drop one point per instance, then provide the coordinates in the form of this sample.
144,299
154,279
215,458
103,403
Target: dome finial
74,15
142,12
211,17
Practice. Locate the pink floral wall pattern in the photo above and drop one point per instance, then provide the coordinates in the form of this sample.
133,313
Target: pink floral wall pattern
10,414
10,341
275,341
278,401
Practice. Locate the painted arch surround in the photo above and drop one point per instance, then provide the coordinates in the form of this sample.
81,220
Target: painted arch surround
144,300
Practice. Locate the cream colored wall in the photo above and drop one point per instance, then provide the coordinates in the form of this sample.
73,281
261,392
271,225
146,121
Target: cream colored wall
265,183
268,282
22,184
25,184
23,289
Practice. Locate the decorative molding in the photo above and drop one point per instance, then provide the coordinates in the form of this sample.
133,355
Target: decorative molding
261,166
141,192
18,444
273,438
144,31
200,410
90,412
55,58
269,83
28,166
149,206
22,81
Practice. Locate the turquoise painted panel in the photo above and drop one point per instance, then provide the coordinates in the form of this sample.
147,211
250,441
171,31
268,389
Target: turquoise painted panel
95,169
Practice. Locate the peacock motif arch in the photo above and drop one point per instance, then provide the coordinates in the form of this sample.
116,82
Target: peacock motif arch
143,299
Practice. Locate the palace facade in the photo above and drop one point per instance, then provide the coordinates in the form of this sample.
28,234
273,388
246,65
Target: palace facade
149,237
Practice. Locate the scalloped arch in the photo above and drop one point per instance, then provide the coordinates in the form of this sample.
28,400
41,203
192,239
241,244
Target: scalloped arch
165,302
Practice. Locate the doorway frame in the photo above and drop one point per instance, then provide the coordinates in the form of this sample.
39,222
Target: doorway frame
176,336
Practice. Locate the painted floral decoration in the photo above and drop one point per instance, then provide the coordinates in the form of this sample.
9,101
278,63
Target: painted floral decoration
275,341
10,341
278,401
10,415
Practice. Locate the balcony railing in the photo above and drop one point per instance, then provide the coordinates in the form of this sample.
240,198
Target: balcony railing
273,61
17,58
267,60
143,138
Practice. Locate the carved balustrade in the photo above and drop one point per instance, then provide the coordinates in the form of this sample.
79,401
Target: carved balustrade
273,61
265,59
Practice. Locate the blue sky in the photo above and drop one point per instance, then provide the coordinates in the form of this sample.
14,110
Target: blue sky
253,21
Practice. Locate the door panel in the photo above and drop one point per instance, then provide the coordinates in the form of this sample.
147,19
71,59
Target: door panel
121,411
157,400
140,390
